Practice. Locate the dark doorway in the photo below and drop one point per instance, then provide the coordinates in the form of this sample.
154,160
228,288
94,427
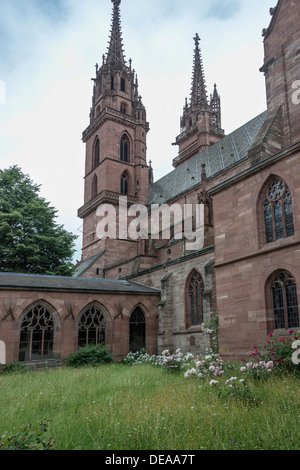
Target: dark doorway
137,335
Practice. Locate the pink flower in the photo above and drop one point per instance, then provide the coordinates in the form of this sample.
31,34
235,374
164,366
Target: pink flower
271,334
213,382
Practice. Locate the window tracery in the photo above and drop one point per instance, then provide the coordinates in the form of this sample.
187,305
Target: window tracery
278,212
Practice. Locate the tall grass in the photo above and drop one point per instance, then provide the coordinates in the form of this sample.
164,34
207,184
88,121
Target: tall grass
119,407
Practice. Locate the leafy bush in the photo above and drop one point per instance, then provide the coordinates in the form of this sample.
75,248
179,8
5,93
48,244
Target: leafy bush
89,356
139,357
234,389
258,370
172,361
31,438
280,352
211,365
15,367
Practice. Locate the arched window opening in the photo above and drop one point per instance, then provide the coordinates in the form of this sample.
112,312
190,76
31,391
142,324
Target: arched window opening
124,184
37,333
278,212
123,108
94,186
123,85
91,328
97,153
124,149
137,334
196,289
285,302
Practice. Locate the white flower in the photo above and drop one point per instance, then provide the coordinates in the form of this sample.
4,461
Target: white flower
213,382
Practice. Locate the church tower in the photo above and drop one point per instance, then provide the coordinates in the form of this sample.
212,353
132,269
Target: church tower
201,120
115,140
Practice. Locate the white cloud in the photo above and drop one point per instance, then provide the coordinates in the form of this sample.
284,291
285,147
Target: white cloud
48,56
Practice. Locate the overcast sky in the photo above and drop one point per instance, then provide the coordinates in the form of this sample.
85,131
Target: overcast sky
48,52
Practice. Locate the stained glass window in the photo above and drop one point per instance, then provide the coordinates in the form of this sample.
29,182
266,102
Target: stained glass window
285,302
278,212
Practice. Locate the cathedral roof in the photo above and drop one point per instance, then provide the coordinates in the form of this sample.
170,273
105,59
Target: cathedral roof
229,151
80,284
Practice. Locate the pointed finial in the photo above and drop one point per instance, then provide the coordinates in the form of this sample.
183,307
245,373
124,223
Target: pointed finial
197,39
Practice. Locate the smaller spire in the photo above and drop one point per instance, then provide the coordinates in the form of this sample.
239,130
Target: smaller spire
215,103
198,90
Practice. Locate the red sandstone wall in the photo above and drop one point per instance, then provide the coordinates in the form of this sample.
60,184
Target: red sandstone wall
282,52
243,263
65,340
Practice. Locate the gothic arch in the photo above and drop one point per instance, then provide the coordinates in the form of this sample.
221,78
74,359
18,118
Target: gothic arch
125,183
123,108
94,186
137,329
37,325
274,208
96,152
125,148
282,304
194,296
91,324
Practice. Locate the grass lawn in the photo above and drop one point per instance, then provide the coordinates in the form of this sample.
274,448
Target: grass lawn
118,407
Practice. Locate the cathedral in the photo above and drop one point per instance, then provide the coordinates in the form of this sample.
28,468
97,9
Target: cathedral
152,287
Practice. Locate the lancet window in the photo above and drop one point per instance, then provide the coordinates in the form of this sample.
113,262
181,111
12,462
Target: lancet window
278,212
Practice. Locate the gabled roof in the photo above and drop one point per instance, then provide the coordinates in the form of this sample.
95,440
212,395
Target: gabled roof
84,265
60,283
229,151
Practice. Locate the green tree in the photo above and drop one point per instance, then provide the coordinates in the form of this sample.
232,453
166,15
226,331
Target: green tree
30,239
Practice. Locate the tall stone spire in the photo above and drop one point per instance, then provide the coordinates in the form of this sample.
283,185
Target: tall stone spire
198,91
200,123
115,50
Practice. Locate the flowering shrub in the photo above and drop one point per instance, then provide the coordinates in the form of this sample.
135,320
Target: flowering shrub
173,362
234,389
139,357
258,370
279,351
211,366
